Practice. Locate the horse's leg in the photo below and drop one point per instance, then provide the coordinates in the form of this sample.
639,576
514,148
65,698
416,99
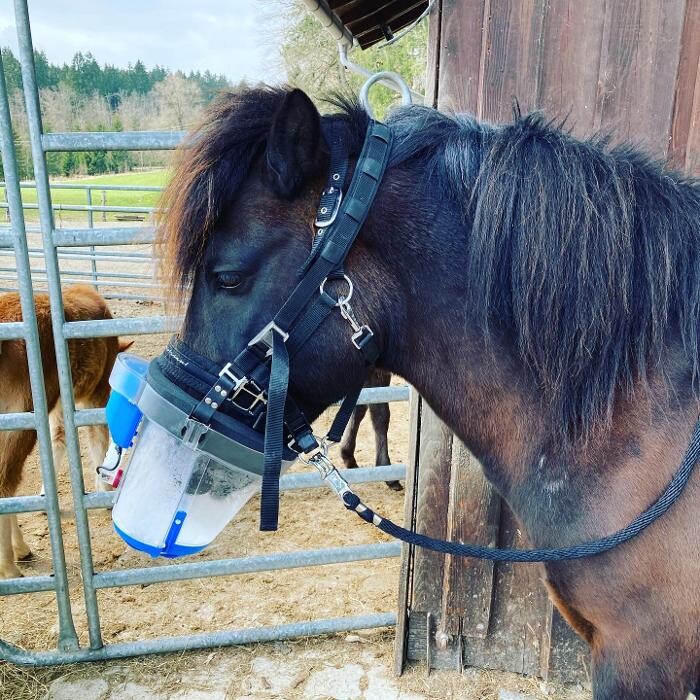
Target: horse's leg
58,439
98,440
20,547
97,443
641,669
380,415
8,568
349,440
15,447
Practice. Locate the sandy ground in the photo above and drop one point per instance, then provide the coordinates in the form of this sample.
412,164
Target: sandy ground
356,665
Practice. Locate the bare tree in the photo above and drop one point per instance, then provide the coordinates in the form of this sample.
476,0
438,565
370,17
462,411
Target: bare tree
179,101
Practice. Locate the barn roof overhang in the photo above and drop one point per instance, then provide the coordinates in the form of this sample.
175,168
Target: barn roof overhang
366,22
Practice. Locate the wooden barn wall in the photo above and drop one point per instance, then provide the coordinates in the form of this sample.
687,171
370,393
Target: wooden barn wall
628,67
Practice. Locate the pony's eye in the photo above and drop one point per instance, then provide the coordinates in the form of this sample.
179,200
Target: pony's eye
229,281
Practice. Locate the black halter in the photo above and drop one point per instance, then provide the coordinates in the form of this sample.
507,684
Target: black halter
256,382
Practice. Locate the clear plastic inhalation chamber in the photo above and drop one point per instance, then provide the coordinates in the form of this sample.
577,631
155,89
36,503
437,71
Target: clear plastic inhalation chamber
174,497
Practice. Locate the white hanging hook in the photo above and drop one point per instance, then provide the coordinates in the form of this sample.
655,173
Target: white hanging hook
386,77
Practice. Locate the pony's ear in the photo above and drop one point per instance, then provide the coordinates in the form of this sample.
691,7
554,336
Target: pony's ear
292,146
124,345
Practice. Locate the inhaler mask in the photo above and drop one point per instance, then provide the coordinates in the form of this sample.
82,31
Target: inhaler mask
193,477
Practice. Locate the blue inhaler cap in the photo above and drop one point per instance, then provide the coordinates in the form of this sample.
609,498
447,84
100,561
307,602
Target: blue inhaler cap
127,380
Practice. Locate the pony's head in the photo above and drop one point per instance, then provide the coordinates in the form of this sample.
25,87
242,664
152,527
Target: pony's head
239,224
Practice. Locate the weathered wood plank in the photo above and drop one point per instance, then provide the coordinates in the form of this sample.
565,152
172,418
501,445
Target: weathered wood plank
692,158
518,628
685,93
461,45
473,516
639,59
572,36
513,58
570,656
432,68
433,483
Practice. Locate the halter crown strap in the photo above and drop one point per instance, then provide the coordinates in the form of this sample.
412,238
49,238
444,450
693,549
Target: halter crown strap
337,241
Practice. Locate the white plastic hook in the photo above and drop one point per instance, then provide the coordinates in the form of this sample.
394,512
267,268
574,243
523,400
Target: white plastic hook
386,77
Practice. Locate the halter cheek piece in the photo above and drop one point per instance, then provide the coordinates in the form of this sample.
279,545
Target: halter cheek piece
255,384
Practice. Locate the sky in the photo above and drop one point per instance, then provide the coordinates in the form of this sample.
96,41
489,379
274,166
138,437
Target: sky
225,36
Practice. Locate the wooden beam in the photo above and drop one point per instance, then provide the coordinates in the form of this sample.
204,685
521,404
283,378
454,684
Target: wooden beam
406,569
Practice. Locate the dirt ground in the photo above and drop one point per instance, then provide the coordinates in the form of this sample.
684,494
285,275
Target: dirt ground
344,666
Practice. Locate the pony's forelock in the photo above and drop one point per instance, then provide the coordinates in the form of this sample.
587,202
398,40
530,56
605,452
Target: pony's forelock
208,169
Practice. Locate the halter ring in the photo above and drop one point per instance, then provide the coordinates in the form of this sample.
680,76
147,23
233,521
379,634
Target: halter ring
341,299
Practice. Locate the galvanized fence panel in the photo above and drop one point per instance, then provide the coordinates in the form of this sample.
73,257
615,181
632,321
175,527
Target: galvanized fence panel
27,329
71,244
117,274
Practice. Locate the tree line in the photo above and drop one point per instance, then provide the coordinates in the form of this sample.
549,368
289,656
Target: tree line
85,96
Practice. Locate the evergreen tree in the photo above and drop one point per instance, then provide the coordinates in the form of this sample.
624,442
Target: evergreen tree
83,95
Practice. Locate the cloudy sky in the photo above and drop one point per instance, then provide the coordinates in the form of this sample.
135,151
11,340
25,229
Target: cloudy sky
225,36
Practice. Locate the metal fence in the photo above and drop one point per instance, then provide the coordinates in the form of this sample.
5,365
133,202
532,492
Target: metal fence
54,244
116,273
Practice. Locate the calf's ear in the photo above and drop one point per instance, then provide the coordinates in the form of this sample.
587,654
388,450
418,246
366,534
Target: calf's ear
293,143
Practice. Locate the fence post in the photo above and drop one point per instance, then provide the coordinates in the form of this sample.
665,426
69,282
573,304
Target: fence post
104,204
91,224
67,638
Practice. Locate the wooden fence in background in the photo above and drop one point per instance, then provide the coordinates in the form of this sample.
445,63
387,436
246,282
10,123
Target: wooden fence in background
628,67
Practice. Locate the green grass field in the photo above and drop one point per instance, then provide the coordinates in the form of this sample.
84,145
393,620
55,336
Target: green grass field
151,178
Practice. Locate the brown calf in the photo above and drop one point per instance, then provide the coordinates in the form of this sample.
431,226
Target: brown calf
91,361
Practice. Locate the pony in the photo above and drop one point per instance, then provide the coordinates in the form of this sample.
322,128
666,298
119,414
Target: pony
380,414
91,361
540,291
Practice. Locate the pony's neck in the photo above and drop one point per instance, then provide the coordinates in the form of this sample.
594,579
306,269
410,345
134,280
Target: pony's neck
480,392
484,394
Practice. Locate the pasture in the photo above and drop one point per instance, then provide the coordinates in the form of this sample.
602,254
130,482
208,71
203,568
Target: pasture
62,197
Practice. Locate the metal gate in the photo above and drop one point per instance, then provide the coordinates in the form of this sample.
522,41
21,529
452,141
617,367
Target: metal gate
55,239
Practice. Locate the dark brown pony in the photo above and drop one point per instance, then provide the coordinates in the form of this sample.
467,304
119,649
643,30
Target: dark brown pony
541,292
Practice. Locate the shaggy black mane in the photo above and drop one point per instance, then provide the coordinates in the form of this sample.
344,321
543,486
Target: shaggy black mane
586,255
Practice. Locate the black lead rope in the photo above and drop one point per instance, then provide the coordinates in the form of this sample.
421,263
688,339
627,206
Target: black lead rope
587,549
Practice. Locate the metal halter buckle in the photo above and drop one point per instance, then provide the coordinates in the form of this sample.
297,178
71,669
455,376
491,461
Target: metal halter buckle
265,337
243,385
324,223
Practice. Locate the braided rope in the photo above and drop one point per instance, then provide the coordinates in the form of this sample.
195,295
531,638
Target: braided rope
587,549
